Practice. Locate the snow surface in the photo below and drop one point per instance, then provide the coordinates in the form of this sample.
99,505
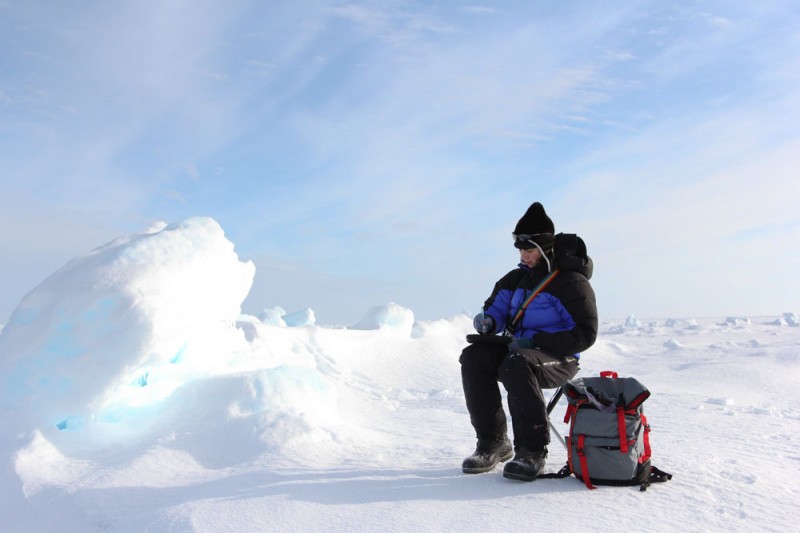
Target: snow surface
136,397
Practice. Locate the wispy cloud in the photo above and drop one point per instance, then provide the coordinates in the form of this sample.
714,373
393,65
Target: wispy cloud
361,137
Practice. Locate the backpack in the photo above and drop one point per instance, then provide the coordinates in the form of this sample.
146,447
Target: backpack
609,437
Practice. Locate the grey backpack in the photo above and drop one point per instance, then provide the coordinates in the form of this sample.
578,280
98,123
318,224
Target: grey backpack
608,442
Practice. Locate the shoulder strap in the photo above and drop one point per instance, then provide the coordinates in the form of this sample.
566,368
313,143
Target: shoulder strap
564,472
656,476
521,311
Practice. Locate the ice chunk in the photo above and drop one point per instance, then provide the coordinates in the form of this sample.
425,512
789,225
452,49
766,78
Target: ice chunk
673,344
124,324
390,316
632,322
736,321
272,316
305,317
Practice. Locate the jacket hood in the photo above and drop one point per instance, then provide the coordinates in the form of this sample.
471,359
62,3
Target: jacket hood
574,263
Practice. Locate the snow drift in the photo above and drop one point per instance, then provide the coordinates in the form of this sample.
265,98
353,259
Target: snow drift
136,396
123,326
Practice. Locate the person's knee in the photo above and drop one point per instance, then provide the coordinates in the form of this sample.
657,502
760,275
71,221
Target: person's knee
479,359
512,366
469,356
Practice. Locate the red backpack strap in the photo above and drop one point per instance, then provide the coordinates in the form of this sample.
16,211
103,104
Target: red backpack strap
570,417
623,440
569,453
646,455
571,409
571,412
584,464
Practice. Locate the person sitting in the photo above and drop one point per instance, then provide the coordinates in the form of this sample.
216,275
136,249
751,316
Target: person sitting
546,337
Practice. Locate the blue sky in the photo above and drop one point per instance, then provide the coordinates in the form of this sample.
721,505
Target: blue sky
365,152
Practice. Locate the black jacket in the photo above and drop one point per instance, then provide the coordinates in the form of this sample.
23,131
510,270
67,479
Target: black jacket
562,319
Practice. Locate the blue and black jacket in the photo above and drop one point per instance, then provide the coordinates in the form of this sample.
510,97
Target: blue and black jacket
562,319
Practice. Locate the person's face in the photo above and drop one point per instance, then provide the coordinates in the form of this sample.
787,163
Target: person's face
530,256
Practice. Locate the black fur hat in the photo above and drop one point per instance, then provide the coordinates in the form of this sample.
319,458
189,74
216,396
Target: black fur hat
535,227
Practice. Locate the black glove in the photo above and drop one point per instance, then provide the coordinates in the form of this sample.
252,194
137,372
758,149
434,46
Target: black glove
521,344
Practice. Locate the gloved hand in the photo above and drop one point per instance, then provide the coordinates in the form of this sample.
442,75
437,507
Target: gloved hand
484,324
521,343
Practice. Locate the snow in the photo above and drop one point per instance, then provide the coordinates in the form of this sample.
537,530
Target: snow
137,397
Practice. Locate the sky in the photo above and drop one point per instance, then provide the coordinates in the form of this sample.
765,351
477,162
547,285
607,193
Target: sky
361,153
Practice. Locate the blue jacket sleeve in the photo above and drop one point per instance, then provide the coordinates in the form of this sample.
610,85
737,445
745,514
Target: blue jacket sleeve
498,305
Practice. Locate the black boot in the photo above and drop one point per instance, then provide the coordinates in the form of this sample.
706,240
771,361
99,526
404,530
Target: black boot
527,464
487,455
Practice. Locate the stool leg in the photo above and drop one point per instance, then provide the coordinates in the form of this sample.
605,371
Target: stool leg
550,406
554,400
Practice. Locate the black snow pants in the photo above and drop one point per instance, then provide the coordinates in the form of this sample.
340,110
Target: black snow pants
524,373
